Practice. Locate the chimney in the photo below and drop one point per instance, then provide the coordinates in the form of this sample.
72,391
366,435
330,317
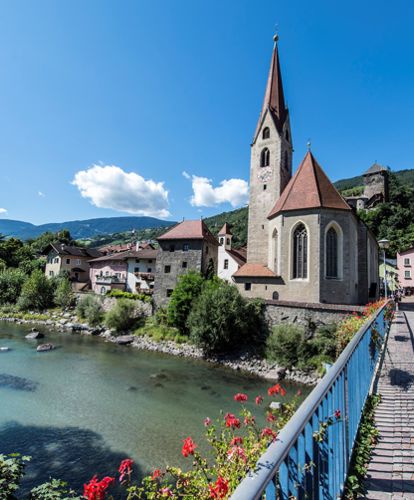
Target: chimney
137,246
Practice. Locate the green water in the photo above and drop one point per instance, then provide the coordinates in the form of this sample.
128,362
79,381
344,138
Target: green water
96,403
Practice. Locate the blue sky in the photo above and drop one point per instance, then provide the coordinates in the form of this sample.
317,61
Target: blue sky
161,87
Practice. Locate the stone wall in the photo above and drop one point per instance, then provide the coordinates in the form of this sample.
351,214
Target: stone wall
277,312
141,308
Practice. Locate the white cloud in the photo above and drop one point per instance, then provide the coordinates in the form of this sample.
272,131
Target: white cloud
42,195
186,174
109,186
233,191
3,210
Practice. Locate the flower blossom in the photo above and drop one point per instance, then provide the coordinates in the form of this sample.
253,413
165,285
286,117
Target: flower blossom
207,421
125,469
337,414
166,492
240,397
267,431
270,417
276,389
219,489
156,474
188,447
258,400
96,490
237,452
236,440
231,421
249,420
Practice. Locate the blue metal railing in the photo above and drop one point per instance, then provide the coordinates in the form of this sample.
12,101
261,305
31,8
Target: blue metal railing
298,466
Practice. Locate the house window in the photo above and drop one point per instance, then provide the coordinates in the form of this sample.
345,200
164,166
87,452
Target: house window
264,187
228,241
266,133
186,247
226,264
67,261
247,286
300,252
167,269
137,261
265,158
206,250
78,262
106,273
172,248
407,274
149,261
56,260
407,261
51,273
169,292
136,269
184,265
149,270
221,241
103,290
275,240
332,253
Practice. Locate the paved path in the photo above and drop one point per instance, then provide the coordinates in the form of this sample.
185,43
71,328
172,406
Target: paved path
391,471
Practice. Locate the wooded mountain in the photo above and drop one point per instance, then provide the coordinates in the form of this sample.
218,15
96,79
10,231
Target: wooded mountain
80,229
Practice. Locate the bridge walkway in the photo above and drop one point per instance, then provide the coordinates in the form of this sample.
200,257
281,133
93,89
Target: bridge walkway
391,470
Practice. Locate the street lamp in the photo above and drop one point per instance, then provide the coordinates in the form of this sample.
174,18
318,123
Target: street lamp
384,244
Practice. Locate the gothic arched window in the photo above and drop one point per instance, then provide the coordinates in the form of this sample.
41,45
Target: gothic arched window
274,249
265,158
266,133
300,252
331,253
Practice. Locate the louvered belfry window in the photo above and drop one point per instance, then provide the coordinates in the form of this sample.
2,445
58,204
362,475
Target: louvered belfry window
300,252
331,253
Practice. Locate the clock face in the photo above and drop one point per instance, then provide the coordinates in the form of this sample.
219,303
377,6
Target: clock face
264,174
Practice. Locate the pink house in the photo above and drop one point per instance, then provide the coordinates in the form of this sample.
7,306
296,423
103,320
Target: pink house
108,273
405,266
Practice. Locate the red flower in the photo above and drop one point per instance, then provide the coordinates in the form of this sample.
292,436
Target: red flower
188,447
207,421
267,431
96,490
270,417
274,390
299,393
240,397
237,452
236,440
232,421
125,468
259,400
156,474
219,489
249,420
337,414
282,392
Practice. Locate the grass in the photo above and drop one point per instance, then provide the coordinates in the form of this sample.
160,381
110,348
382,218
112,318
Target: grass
159,332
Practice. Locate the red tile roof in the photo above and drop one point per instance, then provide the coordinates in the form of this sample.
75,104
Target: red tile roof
309,188
274,99
189,230
225,229
254,271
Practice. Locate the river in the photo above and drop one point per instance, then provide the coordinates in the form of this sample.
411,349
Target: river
83,407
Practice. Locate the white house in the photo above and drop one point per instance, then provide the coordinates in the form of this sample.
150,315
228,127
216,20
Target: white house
229,260
141,270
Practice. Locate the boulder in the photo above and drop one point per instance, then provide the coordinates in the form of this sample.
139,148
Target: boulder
45,347
34,334
4,349
124,339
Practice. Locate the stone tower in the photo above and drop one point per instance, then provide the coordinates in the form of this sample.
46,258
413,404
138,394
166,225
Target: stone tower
270,163
376,183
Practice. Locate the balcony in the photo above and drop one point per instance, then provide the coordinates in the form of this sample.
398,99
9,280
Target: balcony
145,276
109,280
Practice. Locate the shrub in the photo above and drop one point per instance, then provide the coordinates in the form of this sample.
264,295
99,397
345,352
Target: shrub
37,292
120,294
284,344
11,472
64,296
324,342
122,316
188,288
219,319
90,308
11,282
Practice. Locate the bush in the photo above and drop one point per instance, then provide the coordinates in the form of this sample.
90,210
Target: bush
219,319
90,308
120,294
122,316
323,342
188,288
64,296
284,344
11,282
37,292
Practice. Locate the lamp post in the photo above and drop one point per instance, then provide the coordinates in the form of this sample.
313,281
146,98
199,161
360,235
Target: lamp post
384,244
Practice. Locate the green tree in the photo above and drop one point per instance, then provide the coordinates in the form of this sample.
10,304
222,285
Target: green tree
37,292
219,320
11,282
285,344
64,296
122,316
188,288
9,251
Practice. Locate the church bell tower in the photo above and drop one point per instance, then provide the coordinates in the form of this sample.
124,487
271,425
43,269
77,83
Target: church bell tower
270,162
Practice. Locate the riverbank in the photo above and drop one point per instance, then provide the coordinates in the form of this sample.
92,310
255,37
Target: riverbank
242,361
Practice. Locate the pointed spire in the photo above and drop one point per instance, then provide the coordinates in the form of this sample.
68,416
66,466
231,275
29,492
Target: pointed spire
274,99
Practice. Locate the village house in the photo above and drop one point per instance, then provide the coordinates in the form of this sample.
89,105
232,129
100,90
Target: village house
229,259
305,243
405,266
73,260
187,246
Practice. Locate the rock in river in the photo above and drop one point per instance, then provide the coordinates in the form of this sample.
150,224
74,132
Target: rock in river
45,347
124,339
34,334
4,349
17,383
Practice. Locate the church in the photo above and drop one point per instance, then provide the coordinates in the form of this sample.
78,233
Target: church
305,242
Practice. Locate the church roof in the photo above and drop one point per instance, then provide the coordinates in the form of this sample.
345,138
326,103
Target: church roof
309,188
254,270
225,229
374,169
274,99
189,230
